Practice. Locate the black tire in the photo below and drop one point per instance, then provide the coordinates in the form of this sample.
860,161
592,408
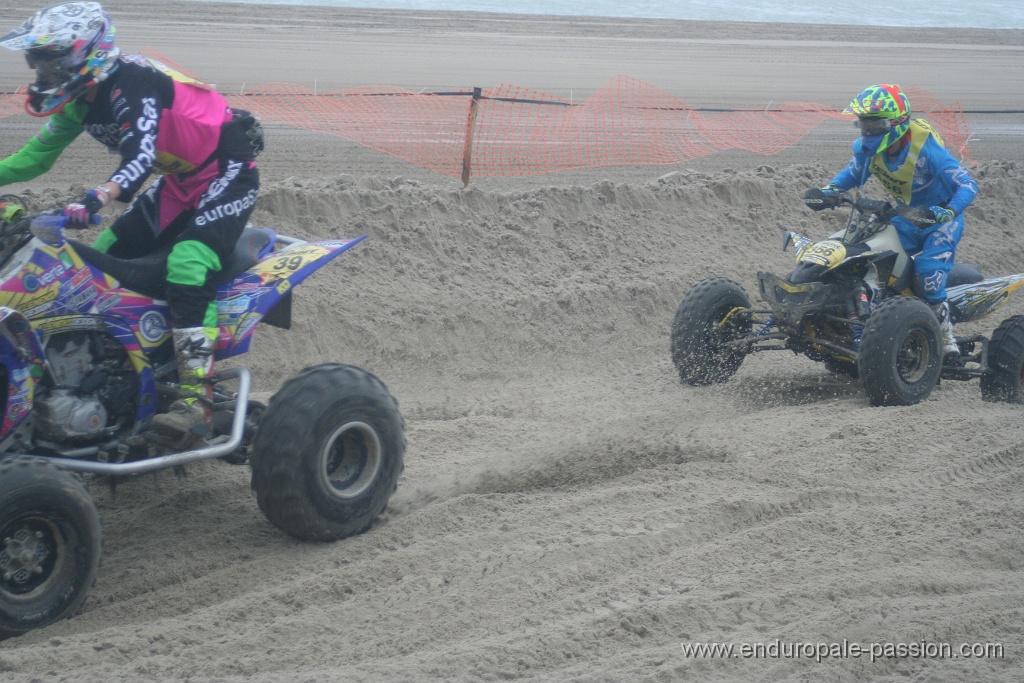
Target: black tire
328,453
698,335
900,354
842,367
1004,380
50,540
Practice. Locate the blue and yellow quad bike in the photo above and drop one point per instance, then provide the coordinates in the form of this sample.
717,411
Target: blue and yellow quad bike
850,304
86,352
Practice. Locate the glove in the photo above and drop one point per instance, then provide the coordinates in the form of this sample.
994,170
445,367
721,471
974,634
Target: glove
79,214
10,212
921,216
828,197
941,214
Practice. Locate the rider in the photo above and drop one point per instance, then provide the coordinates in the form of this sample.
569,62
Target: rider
909,159
158,122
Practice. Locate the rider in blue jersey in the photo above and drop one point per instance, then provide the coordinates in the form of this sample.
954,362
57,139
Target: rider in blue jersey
909,159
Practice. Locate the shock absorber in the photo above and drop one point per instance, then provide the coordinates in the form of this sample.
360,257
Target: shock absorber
859,311
862,301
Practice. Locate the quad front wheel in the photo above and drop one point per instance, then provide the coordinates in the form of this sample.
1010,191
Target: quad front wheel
328,452
50,538
900,354
1006,363
710,316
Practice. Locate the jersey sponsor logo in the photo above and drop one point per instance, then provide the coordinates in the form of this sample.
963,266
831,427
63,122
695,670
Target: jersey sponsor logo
169,163
218,186
232,208
144,160
934,282
109,134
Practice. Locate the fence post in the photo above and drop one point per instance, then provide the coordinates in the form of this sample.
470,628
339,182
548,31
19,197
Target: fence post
467,150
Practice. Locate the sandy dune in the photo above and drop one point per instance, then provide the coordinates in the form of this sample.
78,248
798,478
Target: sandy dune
569,511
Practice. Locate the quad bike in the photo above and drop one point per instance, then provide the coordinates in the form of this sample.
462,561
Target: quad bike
850,304
86,354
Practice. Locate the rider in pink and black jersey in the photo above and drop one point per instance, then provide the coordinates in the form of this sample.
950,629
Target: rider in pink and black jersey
184,131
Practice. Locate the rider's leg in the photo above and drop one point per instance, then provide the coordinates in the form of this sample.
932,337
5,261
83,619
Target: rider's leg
932,268
202,247
195,331
945,318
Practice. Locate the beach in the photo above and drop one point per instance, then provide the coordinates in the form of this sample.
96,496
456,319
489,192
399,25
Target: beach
570,511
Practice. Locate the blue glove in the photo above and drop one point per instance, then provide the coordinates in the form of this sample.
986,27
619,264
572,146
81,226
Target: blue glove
79,214
942,214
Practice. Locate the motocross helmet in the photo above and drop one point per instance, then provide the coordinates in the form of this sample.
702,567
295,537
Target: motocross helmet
71,48
883,116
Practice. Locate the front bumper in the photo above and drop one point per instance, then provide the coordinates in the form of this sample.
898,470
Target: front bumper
791,303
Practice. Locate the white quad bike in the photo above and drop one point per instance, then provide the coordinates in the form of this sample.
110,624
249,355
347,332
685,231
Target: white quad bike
849,303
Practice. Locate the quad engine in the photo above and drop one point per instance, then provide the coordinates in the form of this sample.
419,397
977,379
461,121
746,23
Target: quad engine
91,388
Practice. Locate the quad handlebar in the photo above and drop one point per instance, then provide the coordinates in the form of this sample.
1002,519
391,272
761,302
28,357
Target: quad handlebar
817,199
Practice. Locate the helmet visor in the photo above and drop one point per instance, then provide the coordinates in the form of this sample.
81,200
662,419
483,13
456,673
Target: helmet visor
870,126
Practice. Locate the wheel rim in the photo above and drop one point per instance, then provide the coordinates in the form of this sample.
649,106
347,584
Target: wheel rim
913,357
350,460
718,332
31,550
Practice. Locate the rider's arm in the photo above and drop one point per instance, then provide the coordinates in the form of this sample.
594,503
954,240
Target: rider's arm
136,106
856,172
955,187
39,154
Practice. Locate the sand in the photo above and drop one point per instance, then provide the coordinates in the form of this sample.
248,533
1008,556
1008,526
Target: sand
569,511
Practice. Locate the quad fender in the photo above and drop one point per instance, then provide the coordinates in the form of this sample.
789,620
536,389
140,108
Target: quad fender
253,296
976,300
22,361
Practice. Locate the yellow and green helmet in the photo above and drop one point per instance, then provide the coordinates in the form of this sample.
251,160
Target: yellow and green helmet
883,115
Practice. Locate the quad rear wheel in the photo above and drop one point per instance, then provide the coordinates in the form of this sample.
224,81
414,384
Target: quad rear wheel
1006,363
328,452
50,538
900,354
709,317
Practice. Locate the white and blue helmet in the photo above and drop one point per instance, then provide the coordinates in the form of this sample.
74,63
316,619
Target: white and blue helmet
71,48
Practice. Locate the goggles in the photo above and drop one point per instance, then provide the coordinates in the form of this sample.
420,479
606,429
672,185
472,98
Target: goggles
49,72
873,126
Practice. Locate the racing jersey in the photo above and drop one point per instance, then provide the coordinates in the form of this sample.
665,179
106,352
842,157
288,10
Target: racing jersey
938,178
155,124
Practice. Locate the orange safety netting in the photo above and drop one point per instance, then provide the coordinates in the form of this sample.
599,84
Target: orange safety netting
11,104
514,131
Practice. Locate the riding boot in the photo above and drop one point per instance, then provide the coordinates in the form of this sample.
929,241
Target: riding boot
188,418
945,317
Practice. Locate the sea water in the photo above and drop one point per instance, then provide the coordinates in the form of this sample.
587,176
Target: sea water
951,14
